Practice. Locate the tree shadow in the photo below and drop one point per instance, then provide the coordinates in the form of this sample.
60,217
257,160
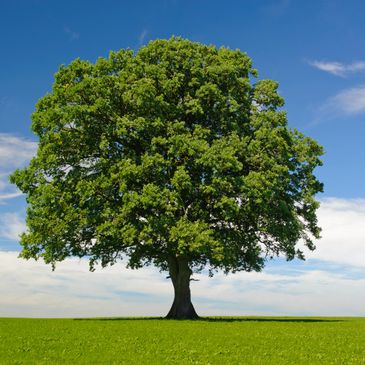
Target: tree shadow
120,319
269,319
220,319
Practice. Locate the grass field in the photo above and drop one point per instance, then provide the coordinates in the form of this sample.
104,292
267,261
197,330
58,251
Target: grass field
241,340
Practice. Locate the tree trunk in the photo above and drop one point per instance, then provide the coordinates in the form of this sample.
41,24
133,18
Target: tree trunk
180,273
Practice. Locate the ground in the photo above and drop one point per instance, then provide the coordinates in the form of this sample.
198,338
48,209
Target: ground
238,340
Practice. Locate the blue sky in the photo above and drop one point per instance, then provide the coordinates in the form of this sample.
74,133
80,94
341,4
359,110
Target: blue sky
312,48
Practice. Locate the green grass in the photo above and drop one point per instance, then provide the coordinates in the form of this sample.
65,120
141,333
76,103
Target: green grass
241,340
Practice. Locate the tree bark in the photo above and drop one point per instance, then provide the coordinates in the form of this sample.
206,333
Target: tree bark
180,274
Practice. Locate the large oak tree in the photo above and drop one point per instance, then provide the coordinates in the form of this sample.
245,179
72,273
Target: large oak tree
174,156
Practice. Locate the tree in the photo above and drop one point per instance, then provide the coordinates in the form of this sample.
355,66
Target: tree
171,156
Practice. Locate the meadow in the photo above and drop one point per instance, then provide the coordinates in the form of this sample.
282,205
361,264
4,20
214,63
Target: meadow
238,340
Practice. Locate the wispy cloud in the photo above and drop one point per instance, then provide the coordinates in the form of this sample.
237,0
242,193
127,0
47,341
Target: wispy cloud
11,226
15,152
347,102
8,196
338,68
72,35
7,191
142,36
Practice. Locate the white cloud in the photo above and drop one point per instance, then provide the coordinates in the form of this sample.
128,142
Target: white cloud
338,68
15,151
30,288
11,226
347,102
334,68
343,235
313,292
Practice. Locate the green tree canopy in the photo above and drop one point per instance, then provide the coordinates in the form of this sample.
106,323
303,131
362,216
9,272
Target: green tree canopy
173,156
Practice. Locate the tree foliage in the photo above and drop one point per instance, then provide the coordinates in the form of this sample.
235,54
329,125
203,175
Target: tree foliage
175,151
